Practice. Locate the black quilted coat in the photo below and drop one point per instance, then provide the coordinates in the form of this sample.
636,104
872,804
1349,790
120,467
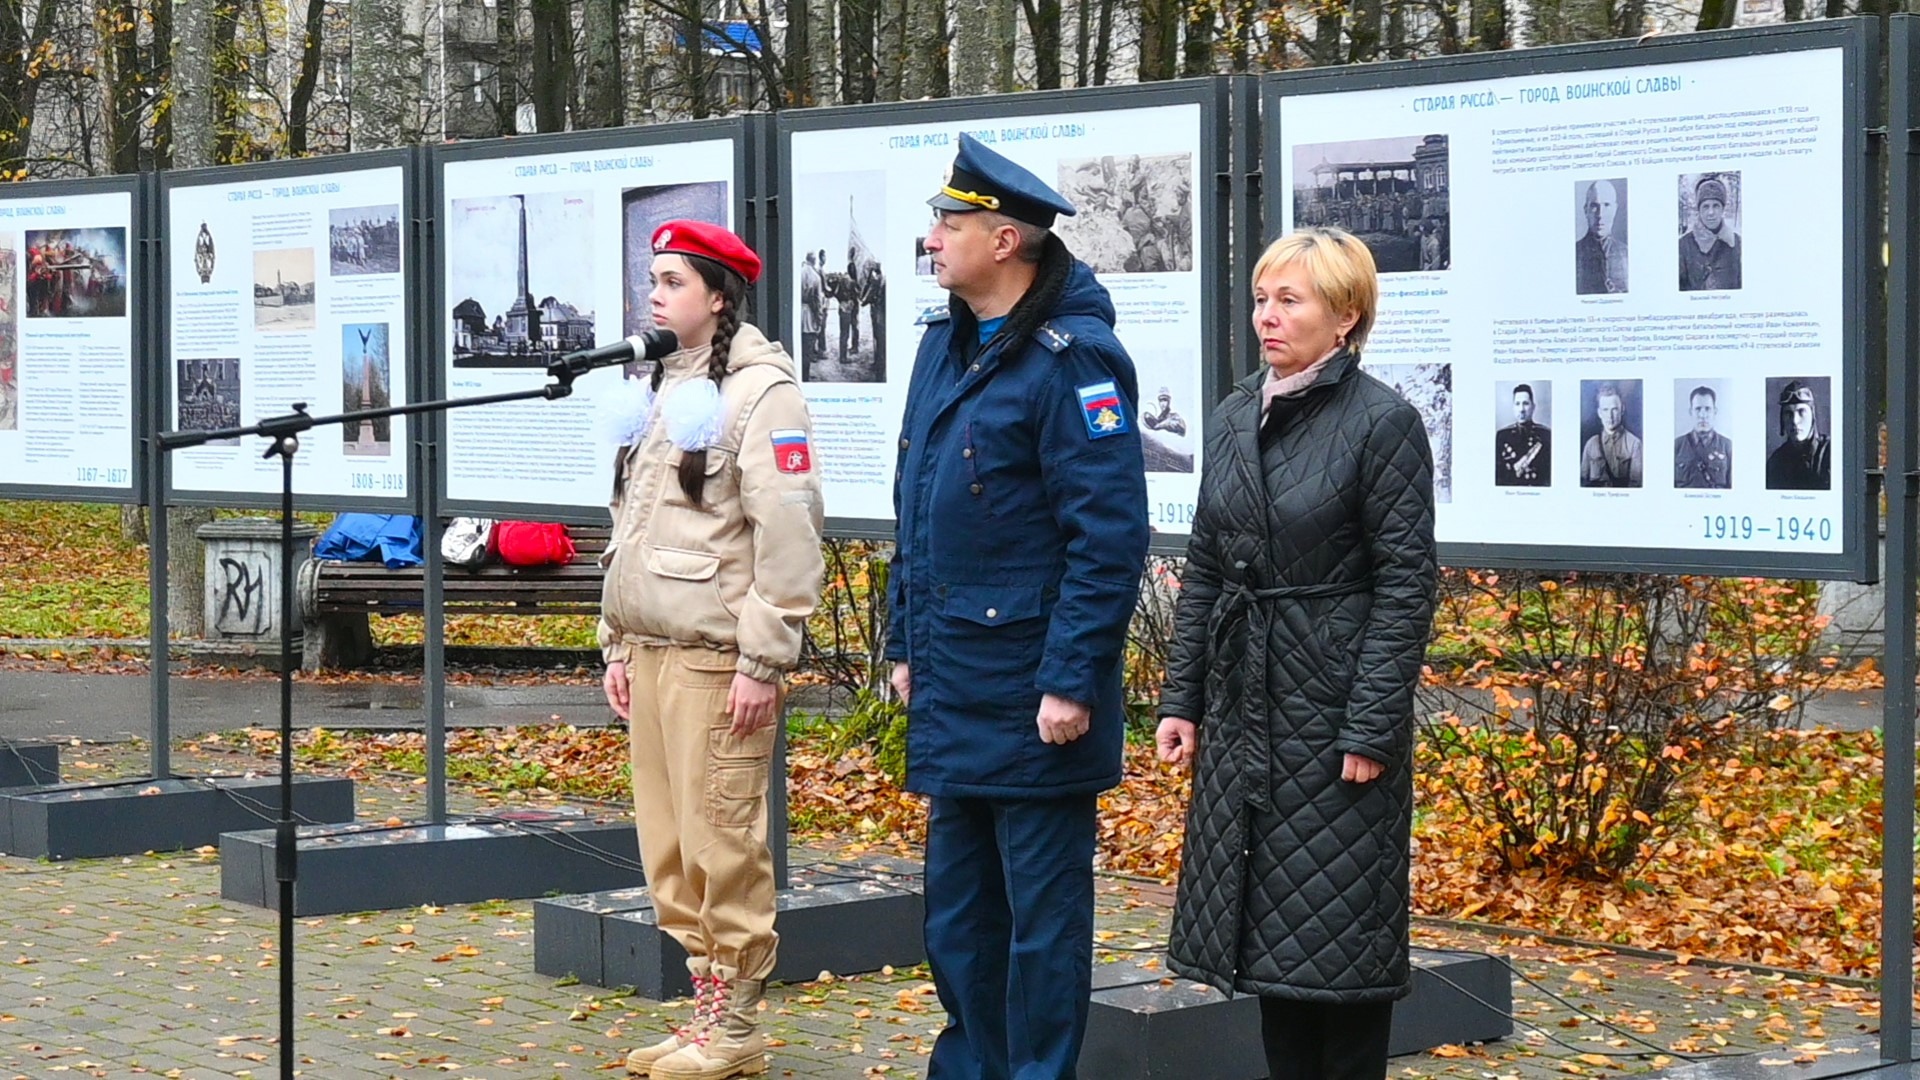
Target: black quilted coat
1302,623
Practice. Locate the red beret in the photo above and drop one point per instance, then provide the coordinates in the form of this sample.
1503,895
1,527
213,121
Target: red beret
685,237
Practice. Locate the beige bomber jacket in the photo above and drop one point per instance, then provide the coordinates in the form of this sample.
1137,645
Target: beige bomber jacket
742,570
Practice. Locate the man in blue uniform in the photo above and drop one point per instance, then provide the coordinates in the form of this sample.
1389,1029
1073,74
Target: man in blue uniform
1020,497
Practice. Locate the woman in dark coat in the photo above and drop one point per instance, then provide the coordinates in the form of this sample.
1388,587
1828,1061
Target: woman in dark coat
1302,624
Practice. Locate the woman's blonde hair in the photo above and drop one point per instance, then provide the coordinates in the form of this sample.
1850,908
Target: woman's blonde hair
1340,267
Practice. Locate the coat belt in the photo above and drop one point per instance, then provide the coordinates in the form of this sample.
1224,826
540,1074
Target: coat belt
1240,601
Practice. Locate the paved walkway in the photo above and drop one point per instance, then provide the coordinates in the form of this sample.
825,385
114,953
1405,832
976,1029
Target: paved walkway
136,967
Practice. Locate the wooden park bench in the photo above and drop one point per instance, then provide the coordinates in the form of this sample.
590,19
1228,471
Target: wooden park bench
336,598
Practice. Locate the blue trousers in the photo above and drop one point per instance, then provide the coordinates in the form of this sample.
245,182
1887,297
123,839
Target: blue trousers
1010,935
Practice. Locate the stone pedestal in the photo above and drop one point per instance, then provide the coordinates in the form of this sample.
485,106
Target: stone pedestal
243,586
1859,614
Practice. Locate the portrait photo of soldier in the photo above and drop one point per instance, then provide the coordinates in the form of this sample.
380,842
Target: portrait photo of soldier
1799,443
1611,454
1523,446
1709,231
1702,453
1600,253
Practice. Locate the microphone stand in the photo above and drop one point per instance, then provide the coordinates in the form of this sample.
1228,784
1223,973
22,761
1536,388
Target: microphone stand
284,435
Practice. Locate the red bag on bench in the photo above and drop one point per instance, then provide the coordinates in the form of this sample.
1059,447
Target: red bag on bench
533,543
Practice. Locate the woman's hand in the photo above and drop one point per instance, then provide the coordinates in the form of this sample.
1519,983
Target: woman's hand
753,704
1360,769
1177,740
615,684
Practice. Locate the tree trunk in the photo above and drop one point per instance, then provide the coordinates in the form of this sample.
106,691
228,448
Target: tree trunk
1005,35
797,52
1083,16
383,78
1490,25
1043,27
1103,44
120,50
926,44
1397,30
603,95
1716,14
893,57
1196,51
1159,39
227,80
161,81
1794,10
506,66
972,62
1327,28
192,89
822,34
1446,19
1630,19
552,70
300,106
857,50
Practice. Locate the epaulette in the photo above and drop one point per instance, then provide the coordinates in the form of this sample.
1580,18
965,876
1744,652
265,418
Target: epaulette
933,313
1055,340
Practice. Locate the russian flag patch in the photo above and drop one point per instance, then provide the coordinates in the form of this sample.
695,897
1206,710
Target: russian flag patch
791,453
1100,406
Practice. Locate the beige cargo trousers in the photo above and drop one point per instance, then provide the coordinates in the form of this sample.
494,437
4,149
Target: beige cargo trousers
700,801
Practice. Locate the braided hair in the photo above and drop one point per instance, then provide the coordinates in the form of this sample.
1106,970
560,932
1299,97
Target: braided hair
733,292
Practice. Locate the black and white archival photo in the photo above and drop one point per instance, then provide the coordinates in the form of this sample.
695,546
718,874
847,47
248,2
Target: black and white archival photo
1710,247
1600,236
1612,426
1169,414
1391,193
1429,388
922,258
643,210
838,232
9,333
1135,212
365,378
520,286
363,240
76,273
1702,450
208,391
1523,433
283,292
1800,433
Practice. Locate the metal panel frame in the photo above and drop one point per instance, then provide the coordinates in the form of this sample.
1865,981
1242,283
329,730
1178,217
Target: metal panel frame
298,168
1859,41
746,156
1212,208
140,226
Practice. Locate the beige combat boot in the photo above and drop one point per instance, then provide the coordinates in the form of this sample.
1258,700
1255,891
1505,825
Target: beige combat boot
709,1000
733,1045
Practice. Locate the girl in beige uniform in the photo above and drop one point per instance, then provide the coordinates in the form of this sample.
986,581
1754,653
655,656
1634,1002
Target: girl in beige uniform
713,569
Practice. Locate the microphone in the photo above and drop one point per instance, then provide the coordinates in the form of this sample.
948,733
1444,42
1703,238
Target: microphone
651,345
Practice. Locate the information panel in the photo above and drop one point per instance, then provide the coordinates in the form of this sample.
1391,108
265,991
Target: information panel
289,284
544,254
67,340
856,182
1627,296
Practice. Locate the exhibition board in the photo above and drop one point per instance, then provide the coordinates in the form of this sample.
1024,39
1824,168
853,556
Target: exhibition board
1139,165
70,331
1629,287
543,247
290,283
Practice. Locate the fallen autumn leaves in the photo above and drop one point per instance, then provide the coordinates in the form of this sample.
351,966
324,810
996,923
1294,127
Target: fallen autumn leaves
1777,866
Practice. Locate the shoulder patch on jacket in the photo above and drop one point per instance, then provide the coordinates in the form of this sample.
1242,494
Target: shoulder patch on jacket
1055,340
1101,407
933,313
